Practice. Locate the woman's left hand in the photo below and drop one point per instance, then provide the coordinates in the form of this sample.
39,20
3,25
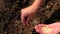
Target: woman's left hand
53,28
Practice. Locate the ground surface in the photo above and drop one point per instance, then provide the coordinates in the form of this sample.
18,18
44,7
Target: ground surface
10,22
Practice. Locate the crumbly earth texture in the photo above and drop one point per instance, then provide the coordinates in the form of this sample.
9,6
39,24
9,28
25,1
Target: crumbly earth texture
10,22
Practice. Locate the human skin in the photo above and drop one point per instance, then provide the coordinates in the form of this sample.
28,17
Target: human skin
55,28
30,11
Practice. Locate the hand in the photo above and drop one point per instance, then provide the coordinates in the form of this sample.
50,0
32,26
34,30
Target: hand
30,11
48,29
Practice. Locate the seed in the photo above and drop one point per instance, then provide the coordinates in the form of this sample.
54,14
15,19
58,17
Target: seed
46,30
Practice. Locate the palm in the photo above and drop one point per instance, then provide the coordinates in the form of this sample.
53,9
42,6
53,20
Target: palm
54,28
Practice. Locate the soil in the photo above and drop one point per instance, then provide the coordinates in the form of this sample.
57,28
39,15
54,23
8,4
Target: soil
10,21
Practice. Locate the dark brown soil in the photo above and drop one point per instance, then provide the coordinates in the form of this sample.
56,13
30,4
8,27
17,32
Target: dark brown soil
10,22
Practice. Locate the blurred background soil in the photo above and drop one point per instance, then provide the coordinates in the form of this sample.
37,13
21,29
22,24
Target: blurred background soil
10,22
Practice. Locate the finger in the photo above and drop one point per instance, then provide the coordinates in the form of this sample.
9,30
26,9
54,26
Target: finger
22,19
28,19
38,29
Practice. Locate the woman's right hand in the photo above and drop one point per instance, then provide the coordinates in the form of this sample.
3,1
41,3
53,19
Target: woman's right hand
30,11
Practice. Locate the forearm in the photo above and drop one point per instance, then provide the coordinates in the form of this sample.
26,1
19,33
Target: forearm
37,4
